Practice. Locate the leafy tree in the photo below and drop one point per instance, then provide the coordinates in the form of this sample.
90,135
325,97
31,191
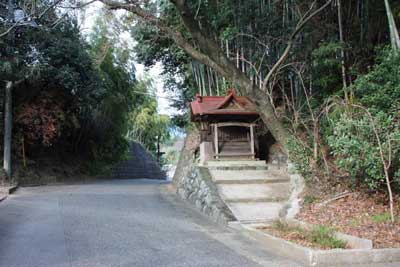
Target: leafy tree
379,90
146,125
73,97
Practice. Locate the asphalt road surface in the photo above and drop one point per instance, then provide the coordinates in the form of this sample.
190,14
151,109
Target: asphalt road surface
118,223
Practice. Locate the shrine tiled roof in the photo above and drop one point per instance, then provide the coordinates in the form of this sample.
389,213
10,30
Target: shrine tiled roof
230,104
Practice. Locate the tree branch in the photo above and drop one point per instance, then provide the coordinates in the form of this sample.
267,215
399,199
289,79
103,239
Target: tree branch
174,35
9,29
210,54
21,22
300,25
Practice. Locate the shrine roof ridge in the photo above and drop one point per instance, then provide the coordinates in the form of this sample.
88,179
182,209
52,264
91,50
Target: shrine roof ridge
229,104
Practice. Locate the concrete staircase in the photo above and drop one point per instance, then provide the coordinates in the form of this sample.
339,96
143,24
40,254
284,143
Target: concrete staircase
251,190
140,165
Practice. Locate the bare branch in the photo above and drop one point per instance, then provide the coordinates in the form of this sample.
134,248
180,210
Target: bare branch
49,8
176,36
32,16
386,163
209,53
9,29
302,22
79,5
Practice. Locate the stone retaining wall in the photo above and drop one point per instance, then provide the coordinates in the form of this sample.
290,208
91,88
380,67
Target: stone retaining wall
195,185
198,188
292,205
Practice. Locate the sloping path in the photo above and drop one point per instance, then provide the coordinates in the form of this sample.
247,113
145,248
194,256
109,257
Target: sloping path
130,223
140,165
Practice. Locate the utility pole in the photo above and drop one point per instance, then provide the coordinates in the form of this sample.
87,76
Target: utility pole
158,149
7,129
8,108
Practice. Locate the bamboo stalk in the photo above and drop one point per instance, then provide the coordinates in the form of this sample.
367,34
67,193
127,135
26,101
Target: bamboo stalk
394,34
209,80
202,80
342,53
217,83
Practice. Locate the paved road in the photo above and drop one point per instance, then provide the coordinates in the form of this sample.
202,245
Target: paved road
117,223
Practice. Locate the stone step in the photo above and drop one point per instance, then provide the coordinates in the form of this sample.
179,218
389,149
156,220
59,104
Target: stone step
251,181
244,192
255,212
243,164
237,168
248,176
252,190
235,148
241,154
235,145
255,200
236,163
139,165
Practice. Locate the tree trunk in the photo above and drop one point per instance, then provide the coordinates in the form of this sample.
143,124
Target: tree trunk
7,129
212,56
208,52
267,114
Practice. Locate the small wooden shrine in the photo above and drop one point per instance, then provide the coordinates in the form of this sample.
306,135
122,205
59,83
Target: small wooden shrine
227,126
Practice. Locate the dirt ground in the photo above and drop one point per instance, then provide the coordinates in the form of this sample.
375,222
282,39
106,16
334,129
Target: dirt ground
358,213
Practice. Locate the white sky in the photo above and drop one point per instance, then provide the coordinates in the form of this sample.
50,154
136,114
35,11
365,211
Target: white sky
87,18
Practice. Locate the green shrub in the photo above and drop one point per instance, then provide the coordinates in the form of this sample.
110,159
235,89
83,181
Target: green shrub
300,156
97,167
379,90
324,237
381,217
309,199
326,69
355,147
321,236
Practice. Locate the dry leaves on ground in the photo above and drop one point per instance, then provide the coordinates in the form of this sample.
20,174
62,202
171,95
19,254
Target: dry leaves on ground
359,214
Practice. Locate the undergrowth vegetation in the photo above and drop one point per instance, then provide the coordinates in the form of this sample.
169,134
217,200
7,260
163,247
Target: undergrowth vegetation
318,236
359,135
